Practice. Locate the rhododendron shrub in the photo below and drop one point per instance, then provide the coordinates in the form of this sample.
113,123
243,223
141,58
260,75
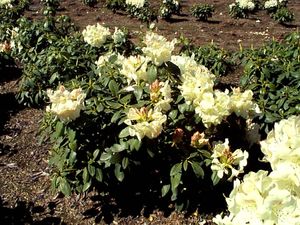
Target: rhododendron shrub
152,116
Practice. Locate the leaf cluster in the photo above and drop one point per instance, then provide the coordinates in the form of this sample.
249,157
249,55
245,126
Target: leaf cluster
202,11
218,60
12,13
272,73
90,3
169,8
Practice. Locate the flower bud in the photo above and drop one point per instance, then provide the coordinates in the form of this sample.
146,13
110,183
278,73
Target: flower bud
198,140
177,135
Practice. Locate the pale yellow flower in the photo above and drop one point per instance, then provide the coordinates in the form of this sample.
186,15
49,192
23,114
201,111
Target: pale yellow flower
212,107
283,143
136,3
95,35
143,122
64,104
160,95
135,68
226,162
158,49
242,105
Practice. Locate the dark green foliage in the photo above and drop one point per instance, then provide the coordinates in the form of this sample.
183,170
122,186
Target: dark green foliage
202,12
273,74
283,15
90,3
218,60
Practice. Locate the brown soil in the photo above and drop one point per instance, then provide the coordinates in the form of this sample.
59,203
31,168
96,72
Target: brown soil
25,193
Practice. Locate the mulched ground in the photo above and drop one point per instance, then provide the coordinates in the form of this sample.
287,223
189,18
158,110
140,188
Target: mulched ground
25,193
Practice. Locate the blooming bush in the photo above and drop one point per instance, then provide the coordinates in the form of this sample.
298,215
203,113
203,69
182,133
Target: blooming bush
145,107
272,5
278,10
241,8
168,8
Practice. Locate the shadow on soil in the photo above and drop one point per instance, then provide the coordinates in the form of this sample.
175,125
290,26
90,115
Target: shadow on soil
23,213
10,105
141,196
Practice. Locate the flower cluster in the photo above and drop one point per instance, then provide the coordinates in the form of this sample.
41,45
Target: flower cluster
211,105
119,36
242,105
224,161
64,104
272,4
136,3
196,79
95,35
169,7
135,68
143,122
274,198
5,2
283,143
158,49
160,96
244,4
241,8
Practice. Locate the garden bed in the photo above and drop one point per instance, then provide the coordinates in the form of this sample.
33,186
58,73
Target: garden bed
26,196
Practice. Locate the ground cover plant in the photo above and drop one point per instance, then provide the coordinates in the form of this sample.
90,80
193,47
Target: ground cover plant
153,117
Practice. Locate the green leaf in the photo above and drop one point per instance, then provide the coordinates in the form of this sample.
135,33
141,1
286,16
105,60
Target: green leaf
134,144
64,187
125,162
99,175
113,87
126,99
173,114
118,173
71,135
85,175
73,145
197,169
175,181
96,153
114,105
72,157
176,169
86,186
91,170
152,73
124,133
105,156
165,189
185,165
116,116
118,147
138,92
59,129
214,178
53,78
